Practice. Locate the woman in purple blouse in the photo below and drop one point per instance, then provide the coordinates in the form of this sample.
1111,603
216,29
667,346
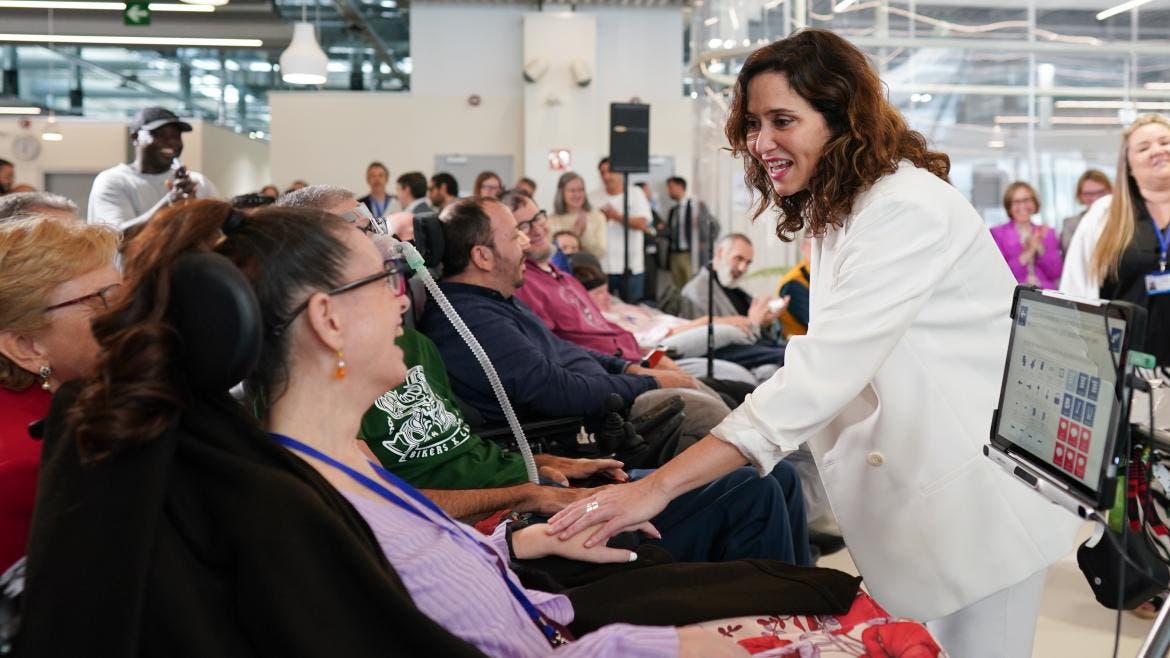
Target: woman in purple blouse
1032,250
328,351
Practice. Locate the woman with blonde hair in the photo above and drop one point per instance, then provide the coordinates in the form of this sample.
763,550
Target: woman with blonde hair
54,276
1120,249
572,212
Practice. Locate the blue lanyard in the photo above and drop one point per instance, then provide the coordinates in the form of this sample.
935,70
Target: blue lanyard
379,209
1163,242
554,636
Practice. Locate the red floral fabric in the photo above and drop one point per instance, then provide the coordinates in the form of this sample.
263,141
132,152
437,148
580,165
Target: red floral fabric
866,631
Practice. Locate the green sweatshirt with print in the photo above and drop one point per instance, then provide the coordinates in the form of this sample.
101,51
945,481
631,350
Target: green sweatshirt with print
418,433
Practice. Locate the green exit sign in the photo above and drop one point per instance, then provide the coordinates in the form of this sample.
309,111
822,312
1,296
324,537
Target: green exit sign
136,13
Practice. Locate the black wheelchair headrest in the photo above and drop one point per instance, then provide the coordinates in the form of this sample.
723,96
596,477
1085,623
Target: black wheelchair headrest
217,315
428,238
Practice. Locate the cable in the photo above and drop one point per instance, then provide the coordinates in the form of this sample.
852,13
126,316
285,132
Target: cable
408,252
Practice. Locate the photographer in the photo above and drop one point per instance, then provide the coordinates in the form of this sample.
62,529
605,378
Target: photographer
126,195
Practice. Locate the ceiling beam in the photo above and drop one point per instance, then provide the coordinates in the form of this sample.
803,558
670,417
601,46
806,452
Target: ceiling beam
382,51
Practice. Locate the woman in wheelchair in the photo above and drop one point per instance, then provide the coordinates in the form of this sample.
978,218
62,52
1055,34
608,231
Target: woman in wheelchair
184,529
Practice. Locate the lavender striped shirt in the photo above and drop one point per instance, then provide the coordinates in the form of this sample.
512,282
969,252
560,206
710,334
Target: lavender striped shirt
454,578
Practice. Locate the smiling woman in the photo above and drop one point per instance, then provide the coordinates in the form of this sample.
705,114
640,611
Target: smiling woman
56,275
891,385
819,131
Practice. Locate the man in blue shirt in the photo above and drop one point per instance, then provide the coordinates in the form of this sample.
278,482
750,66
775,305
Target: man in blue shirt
544,375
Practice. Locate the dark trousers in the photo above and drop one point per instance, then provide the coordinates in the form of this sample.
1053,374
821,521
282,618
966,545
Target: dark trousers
740,515
637,287
752,356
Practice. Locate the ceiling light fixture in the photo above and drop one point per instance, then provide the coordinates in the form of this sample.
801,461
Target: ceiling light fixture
1014,119
130,41
1158,86
99,6
303,62
50,132
1125,6
843,5
1086,121
213,3
20,109
1112,105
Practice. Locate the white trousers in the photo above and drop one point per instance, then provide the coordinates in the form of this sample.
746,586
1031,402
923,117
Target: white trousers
1002,625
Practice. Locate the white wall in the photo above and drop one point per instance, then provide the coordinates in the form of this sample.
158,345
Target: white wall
88,147
558,113
330,137
463,49
233,162
458,50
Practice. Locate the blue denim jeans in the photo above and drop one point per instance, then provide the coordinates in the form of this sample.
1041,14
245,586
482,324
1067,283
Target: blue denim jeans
740,515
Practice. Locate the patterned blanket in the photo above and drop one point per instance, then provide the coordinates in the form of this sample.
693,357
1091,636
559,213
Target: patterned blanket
866,631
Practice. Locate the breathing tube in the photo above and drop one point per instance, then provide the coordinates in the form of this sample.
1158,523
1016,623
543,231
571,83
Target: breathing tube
397,250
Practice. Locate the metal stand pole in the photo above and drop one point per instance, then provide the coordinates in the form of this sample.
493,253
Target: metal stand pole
626,238
710,297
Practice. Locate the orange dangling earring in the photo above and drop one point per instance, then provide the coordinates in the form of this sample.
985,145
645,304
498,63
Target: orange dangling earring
339,372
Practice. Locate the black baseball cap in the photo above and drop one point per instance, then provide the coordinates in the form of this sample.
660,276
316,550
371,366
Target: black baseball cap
152,118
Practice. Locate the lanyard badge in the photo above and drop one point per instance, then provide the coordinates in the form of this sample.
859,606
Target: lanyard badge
1158,283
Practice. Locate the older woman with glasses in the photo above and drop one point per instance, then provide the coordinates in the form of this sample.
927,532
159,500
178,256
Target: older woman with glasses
269,538
54,276
1032,250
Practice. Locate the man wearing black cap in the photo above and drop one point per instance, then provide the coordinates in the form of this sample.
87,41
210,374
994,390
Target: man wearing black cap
127,195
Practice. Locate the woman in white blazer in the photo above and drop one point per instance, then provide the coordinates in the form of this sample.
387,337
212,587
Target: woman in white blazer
894,385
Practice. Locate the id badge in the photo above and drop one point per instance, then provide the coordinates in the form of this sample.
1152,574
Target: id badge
1158,283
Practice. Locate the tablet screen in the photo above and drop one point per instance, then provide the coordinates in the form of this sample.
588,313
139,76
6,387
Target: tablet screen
1059,392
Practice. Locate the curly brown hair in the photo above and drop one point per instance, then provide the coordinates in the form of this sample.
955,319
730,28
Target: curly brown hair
869,137
140,387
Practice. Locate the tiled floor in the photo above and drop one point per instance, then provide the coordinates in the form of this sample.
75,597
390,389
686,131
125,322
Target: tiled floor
1072,623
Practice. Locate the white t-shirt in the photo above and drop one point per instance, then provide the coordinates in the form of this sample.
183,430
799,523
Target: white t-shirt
125,197
611,261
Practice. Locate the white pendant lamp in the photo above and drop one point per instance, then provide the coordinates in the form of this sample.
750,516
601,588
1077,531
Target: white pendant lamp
303,62
50,132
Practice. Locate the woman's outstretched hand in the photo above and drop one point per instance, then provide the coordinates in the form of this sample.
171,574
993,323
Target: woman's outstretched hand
609,512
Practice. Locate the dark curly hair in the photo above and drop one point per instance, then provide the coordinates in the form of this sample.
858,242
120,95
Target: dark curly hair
140,388
868,136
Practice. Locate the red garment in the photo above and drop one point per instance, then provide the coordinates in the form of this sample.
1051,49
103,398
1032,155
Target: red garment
19,456
563,304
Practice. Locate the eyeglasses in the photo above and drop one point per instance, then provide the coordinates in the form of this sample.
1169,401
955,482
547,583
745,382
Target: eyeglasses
391,275
105,295
540,219
361,217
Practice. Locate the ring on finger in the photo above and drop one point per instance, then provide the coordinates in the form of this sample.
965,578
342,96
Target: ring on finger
592,505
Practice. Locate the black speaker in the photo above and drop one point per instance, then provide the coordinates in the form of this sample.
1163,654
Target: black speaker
629,137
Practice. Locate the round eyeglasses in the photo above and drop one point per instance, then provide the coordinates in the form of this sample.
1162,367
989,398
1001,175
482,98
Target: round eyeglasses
539,219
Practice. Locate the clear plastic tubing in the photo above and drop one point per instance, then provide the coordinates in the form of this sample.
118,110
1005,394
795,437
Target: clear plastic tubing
406,251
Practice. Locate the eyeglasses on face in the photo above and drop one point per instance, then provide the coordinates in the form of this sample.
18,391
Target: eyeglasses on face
104,294
540,219
361,217
390,274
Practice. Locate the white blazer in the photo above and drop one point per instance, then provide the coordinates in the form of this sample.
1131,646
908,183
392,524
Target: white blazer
1078,279
893,388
